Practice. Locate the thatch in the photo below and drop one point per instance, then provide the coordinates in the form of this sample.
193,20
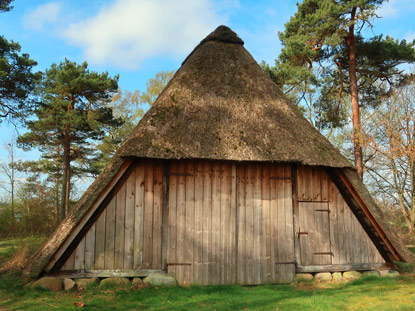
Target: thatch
221,105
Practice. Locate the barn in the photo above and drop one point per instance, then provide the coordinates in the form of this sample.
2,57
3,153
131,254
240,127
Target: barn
223,181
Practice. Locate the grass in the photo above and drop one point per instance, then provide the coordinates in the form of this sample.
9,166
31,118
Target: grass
368,293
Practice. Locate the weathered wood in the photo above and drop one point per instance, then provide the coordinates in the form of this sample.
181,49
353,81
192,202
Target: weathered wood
119,228
157,216
257,206
345,267
249,224
129,222
172,223
70,262
165,216
241,221
104,195
216,223
75,274
139,216
100,241
110,235
233,222
148,214
181,222
80,255
90,248
207,223
275,271
189,233
198,225
266,228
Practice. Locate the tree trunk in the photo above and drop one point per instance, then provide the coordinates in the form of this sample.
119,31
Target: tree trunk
66,178
351,43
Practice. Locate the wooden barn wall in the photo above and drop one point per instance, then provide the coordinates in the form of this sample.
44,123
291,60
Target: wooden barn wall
227,223
334,235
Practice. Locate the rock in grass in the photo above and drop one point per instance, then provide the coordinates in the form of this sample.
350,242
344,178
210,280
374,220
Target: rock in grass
68,284
160,280
303,277
85,282
323,276
389,273
371,273
351,275
337,276
115,282
51,283
137,281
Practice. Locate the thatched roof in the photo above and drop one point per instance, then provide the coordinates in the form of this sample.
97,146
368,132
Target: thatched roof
221,105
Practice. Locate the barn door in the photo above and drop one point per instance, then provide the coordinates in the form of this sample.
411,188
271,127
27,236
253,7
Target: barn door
313,233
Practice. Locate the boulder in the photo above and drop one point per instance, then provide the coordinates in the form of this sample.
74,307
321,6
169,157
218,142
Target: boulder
85,282
51,283
351,275
160,280
371,273
115,282
137,281
389,273
68,284
337,276
323,276
303,277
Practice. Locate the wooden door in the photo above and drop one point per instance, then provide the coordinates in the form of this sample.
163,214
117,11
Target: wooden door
313,233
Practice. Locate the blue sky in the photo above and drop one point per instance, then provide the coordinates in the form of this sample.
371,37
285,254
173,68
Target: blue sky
138,38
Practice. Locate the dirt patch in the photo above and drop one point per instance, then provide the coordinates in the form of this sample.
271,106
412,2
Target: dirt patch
18,262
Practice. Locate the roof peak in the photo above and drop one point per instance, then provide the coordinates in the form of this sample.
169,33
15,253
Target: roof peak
223,34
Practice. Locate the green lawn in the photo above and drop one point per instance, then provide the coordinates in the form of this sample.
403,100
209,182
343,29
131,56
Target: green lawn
364,294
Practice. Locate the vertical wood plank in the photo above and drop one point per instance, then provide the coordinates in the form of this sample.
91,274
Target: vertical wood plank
100,241
80,255
257,225
216,222
181,221
129,222
148,214
198,225
110,235
172,223
249,218
333,223
233,222
70,262
90,248
157,215
224,225
266,228
316,183
190,214
139,216
207,222
241,221
274,225
120,228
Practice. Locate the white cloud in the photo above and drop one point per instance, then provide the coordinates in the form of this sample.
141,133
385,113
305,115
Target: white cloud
410,36
127,32
388,9
44,14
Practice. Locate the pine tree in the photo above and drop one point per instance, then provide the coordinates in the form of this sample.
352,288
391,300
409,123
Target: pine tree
324,49
72,115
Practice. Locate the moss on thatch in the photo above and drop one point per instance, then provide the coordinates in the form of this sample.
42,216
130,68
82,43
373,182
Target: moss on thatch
222,105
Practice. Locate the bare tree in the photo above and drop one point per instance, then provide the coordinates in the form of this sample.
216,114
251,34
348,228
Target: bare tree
392,149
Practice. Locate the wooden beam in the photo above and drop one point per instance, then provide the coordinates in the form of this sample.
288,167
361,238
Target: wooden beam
296,213
346,267
63,252
76,274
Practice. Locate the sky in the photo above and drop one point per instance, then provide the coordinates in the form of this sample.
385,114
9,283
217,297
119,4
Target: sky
135,39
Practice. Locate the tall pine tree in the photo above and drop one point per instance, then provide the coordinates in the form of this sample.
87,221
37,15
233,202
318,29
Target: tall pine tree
72,115
323,45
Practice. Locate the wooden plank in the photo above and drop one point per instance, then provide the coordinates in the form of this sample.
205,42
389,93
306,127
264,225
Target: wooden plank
224,224
301,183
324,185
345,267
129,222
274,226
139,216
249,225
281,226
80,255
266,228
289,271
165,216
100,199
172,223
189,220
334,241
341,229
70,263
90,248
157,215
110,235
241,221
207,222
148,214
120,228
75,274
316,183
181,221
216,222
198,225
233,221
296,215
100,241
257,225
